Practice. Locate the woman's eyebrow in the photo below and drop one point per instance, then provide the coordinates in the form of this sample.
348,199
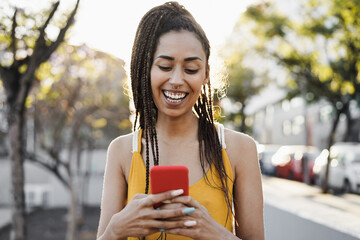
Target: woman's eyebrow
192,59
166,57
186,59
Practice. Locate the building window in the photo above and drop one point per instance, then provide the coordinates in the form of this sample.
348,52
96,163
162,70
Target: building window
31,198
45,199
285,105
286,127
297,102
297,124
325,114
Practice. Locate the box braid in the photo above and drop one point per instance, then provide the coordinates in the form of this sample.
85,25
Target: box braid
171,16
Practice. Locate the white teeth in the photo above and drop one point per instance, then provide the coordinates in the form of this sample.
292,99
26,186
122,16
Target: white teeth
174,97
174,101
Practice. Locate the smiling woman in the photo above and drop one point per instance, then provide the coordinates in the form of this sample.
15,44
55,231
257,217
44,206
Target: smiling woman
178,72
174,125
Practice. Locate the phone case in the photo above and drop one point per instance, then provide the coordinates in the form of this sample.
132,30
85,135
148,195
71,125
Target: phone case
165,178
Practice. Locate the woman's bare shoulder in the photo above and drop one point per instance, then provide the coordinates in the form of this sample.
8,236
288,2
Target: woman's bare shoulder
120,150
240,147
123,142
238,140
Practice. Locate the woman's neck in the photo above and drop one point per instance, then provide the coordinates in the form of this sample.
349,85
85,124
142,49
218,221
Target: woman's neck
177,128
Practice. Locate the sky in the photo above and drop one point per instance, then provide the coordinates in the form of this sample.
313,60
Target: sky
110,25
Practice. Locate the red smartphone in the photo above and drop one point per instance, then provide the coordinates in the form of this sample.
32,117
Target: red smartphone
165,178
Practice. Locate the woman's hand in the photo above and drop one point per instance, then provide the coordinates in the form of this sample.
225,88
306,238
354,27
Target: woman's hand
139,218
198,224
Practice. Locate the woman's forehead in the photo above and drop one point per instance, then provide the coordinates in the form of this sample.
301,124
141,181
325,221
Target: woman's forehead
180,43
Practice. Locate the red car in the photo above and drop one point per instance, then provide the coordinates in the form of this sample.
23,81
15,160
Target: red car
295,162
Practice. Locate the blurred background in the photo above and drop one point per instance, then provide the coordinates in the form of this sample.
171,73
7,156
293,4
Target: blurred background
293,70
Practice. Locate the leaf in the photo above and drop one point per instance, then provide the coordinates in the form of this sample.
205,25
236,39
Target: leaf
99,123
323,72
347,88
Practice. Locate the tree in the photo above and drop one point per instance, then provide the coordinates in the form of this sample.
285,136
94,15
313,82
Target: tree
320,51
244,84
78,101
24,47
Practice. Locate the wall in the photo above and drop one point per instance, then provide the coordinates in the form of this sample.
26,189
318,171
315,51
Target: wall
42,188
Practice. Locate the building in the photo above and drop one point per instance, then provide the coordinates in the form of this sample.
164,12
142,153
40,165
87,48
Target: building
276,120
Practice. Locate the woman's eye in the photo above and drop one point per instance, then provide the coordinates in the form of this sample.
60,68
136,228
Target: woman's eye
165,68
191,71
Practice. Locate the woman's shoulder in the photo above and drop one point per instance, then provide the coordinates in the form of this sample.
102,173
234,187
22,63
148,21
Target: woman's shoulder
239,146
123,142
120,150
238,139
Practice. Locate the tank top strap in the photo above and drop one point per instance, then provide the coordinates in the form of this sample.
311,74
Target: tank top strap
136,141
221,134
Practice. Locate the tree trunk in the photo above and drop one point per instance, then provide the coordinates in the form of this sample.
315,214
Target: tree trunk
79,185
71,227
352,128
16,119
324,184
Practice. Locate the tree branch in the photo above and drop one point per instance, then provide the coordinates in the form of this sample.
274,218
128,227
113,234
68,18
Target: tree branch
19,63
39,48
13,37
2,73
41,51
42,29
61,123
63,31
54,169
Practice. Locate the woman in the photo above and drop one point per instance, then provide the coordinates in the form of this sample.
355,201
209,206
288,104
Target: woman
173,100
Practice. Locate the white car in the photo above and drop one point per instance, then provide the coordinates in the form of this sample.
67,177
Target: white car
344,169
266,151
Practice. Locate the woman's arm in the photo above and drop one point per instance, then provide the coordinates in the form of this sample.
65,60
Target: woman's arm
248,197
114,186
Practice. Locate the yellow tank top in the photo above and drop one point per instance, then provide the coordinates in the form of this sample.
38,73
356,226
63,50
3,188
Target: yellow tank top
211,198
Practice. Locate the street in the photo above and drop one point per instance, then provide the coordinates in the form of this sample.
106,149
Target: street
282,225
294,210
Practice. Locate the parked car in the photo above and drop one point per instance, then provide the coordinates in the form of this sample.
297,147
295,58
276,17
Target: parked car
295,162
344,168
308,158
266,151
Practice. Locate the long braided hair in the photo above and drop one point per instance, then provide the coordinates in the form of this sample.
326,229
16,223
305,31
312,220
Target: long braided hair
171,16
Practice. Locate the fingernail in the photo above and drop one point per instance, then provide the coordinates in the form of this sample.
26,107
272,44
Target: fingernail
166,201
177,192
188,210
189,223
161,229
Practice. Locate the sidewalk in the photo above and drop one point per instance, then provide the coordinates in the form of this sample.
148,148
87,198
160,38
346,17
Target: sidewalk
337,212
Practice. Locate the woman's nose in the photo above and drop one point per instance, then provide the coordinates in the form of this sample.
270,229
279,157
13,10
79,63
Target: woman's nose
177,77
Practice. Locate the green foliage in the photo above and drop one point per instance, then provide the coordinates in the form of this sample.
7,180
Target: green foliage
321,51
244,84
241,81
81,90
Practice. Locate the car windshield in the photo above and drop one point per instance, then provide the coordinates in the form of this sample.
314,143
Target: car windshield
354,157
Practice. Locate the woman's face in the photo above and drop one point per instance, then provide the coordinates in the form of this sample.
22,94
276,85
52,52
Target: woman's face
178,72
